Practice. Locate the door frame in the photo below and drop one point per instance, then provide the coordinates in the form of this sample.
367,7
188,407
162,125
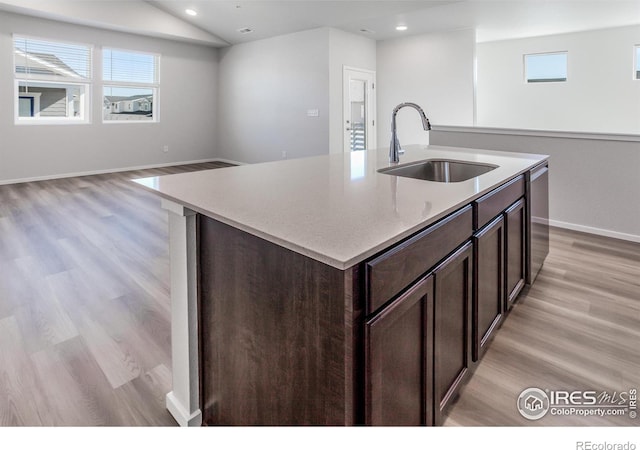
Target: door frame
371,106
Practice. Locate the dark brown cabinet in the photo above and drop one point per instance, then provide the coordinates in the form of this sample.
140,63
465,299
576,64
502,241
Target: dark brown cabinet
499,272
452,328
488,305
399,389
515,223
288,340
497,201
394,270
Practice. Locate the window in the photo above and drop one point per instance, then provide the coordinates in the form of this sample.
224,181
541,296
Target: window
545,67
637,62
130,86
51,81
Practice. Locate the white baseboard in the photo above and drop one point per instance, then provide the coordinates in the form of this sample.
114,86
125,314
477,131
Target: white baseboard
120,169
597,231
181,415
231,161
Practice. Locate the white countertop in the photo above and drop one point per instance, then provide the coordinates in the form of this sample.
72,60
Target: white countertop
335,208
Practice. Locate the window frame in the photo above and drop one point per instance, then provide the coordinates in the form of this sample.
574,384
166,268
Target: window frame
155,86
85,85
636,62
545,81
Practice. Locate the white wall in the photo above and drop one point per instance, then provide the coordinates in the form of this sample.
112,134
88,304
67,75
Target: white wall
265,89
433,70
599,95
345,49
267,86
187,110
594,184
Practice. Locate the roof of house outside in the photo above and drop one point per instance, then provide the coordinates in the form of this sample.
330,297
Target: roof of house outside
42,64
116,98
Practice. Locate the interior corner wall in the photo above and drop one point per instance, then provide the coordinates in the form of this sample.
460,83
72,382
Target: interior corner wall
435,71
187,109
266,88
345,49
600,94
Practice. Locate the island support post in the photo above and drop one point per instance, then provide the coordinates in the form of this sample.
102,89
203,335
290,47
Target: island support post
183,402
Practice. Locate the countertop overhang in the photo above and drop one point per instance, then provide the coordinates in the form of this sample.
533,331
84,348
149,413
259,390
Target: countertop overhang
337,209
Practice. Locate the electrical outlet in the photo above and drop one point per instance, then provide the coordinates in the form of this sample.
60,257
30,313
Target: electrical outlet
284,155
165,148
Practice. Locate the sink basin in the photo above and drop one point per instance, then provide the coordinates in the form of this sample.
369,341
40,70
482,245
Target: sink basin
440,170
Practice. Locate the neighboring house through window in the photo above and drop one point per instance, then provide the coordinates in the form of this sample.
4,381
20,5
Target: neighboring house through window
51,81
131,85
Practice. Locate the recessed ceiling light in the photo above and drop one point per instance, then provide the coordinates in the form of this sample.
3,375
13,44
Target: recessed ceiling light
401,28
191,12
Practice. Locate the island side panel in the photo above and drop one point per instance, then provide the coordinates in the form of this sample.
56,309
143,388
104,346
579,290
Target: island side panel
277,341
354,314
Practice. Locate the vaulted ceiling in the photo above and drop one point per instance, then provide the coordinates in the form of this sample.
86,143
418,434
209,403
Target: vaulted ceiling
493,20
218,22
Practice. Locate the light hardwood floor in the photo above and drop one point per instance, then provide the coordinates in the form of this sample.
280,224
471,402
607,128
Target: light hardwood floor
84,313
577,328
84,302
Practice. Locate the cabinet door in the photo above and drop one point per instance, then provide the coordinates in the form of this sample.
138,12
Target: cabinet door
488,305
452,328
398,360
515,223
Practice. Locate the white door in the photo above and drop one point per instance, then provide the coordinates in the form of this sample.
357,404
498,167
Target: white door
359,103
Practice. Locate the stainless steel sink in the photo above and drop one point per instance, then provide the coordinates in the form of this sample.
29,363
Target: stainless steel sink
440,170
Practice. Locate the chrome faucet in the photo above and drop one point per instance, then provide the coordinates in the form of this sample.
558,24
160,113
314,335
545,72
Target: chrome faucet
394,149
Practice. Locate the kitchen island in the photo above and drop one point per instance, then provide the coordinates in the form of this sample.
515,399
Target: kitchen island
321,291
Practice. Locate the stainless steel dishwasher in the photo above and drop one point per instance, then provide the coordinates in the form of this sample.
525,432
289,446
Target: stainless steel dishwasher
539,210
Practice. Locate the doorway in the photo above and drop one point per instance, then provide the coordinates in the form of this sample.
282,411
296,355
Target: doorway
359,103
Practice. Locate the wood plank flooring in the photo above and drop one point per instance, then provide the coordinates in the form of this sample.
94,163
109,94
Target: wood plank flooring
84,302
84,313
577,328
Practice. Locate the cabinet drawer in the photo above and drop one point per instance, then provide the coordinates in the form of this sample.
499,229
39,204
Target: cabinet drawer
492,204
391,272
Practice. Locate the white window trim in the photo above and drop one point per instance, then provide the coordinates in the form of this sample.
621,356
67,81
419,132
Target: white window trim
524,67
636,69
85,103
155,86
